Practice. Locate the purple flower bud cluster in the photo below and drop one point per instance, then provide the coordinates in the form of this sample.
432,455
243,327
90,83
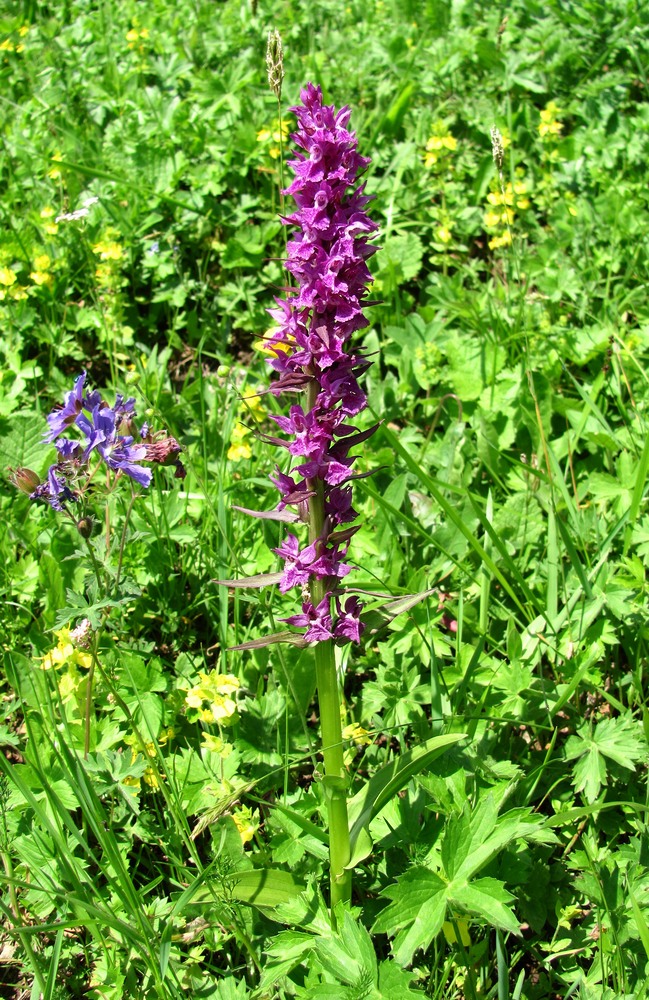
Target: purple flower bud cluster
109,434
327,256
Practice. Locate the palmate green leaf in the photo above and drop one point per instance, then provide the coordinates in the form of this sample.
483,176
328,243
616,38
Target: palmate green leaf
78,607
416,912
486,898
287,950
473,839
620,740
394,982
349,954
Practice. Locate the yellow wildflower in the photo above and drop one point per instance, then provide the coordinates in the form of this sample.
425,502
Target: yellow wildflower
108,250
24,30
216,745
7,45
47,215
438,146
245,824
55,173
500,241
443,234
41,277
549,124
267,337
215,689
65,652
7,276
357,734
254,407
239,448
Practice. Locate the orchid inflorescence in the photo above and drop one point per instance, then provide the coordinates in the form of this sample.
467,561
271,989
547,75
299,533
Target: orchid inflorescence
327,256
109,434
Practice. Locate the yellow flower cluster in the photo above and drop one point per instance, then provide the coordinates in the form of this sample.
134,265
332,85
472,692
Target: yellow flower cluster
8,46
66,658
502,211
135,37
54,173
108,250
49,225
41,275
241,433
211,700
151,776
65,653
277,134
549,126
440,144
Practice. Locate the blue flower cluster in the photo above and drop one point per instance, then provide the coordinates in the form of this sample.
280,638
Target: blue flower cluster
108,433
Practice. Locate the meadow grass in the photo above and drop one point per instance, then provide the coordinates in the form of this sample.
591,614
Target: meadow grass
163,811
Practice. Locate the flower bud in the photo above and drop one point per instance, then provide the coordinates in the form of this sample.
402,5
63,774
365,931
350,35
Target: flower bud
132,378
24,479
84,527
223,371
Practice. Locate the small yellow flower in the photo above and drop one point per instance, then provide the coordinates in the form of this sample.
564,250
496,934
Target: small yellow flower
108,250
215,689
41,277
7,45
7,276
438,146
216,745
491,219
267,338
42,262
55,173
239,448
357,734
443,234
245,824
47,215
132,36
500,241
549,124
65,652
24,30
254,407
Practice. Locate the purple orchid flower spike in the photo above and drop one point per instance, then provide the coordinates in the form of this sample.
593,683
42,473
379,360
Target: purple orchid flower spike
327,257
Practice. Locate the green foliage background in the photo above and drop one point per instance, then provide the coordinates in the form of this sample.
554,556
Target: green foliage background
509,334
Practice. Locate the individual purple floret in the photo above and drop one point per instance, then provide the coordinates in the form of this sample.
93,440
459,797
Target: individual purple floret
62,417
326,256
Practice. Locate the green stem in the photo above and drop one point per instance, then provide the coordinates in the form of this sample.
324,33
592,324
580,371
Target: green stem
335,774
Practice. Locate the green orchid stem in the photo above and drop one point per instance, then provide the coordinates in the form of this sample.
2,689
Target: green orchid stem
335,778
335,775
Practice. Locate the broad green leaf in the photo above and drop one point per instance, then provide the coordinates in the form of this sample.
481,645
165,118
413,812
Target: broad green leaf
488,898
394,982
389,780
416,912
348,954
286,951
264,887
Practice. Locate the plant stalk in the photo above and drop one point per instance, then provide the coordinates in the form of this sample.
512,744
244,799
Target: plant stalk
335,775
